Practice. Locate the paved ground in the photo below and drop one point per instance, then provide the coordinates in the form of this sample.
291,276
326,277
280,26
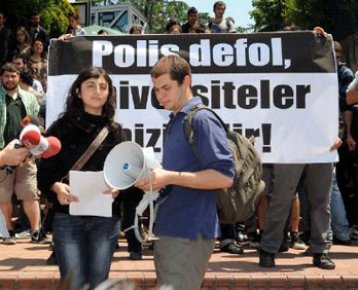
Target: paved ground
26,261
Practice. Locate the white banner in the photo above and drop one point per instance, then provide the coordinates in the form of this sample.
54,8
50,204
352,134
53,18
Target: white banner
294,115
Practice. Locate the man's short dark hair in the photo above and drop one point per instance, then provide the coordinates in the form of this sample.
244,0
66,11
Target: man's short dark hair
174,65
219,3
192,10
9,67
34,13
26,76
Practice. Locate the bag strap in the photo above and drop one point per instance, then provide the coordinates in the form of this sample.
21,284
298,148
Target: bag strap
188,120
91,149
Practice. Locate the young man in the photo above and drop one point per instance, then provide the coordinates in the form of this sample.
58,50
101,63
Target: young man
187,223
193,18
220,24
15,104
36,30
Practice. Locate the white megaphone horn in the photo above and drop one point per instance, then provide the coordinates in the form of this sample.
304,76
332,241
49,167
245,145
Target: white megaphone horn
124,166
127,163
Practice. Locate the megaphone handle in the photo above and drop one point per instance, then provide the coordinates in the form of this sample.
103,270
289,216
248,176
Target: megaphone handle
136,230
151,217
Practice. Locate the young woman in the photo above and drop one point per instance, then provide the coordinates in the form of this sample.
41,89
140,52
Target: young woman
84,245
74,27
37,61
22,42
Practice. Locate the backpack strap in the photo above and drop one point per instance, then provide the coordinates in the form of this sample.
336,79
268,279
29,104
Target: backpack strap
188,122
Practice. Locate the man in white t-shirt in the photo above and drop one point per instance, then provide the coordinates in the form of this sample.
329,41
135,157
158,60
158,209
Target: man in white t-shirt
220,24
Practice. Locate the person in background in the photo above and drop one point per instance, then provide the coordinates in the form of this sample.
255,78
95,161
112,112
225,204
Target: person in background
186,223
22,43
136,29
37,61
20,61
220,24
192,21
228,239
339,221
15,104
102,32
4,40
84,245
74,27
352,91
36,30
173,27
26,83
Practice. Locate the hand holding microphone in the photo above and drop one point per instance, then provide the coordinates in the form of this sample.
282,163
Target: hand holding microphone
38,145
11,155
31,143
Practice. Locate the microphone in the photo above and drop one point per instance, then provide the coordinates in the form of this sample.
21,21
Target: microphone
54,147
30,136
47,147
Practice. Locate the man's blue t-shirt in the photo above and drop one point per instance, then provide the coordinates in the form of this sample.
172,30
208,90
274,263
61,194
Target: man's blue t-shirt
187,212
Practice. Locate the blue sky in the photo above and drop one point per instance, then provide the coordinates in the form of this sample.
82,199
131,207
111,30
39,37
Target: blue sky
237,9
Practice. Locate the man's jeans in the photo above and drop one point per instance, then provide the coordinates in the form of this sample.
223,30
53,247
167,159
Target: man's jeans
84,247
339,222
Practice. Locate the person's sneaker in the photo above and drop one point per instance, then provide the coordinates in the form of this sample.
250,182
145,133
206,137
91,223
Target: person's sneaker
354,232
296,242
241,235
39,237
254,241
9,240
266,259
135,256
323,261
232,248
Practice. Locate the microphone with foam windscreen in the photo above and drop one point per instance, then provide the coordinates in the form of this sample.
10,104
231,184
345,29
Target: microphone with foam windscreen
47,147
54,147
38,145
30,136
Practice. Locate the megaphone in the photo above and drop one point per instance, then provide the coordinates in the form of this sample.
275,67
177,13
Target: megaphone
127,163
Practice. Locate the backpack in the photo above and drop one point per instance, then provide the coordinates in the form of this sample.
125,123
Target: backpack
237,203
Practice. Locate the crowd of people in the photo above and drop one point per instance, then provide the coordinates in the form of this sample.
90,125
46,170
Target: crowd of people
302,207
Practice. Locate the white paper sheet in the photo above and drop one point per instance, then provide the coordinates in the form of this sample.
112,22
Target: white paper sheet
89,187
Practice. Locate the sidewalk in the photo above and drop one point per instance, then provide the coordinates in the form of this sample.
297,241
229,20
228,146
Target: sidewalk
23,266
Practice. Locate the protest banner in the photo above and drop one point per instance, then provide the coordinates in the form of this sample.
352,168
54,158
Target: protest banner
281,87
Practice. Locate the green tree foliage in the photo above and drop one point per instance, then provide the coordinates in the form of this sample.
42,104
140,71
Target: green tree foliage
268,14
53,14
335,16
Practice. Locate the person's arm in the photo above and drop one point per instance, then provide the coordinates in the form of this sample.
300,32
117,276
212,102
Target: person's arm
348,115
13,156
352,91
337,143
352,97
204,179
